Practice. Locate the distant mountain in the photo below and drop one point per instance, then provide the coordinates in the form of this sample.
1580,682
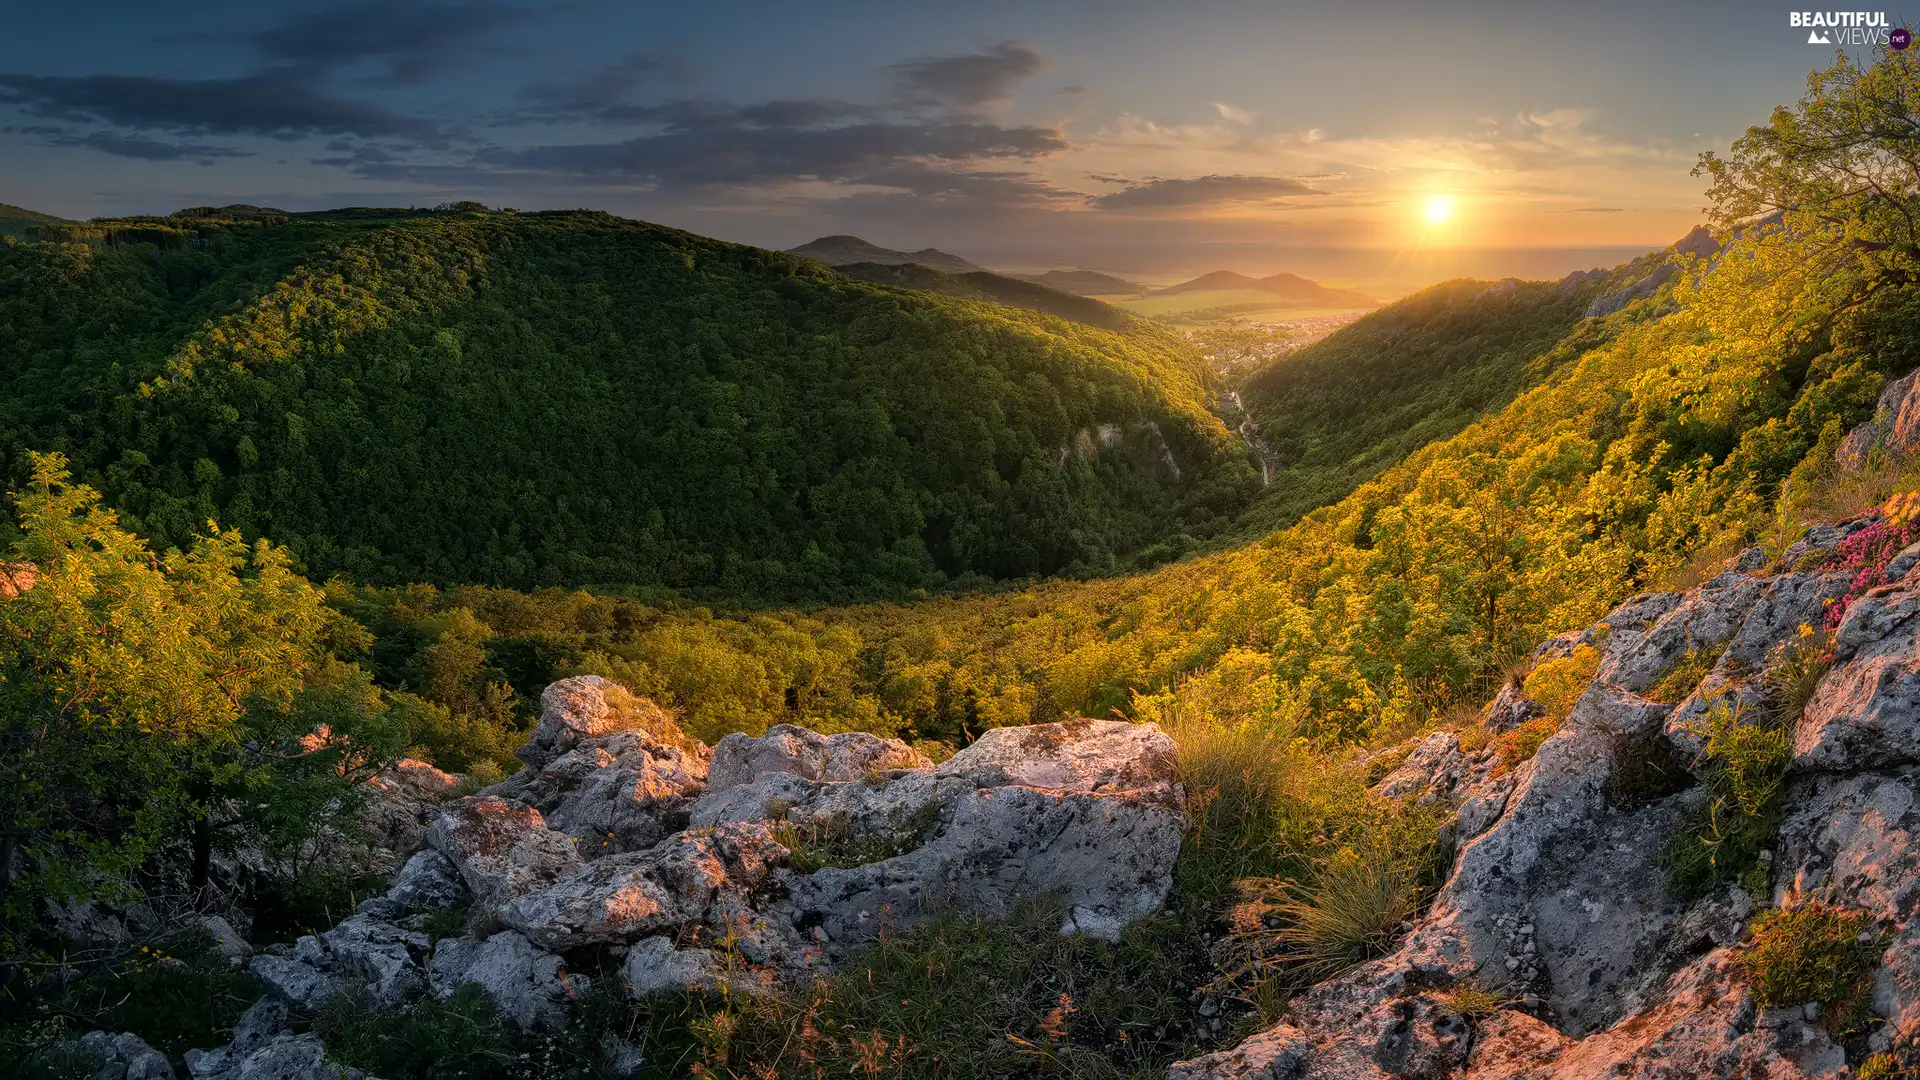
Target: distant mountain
994,288
843,250
1312,293
1218,281
16,220
1084,282
1289,287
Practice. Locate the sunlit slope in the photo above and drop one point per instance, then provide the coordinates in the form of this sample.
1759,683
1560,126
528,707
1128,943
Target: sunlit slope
571,398
1402,600
1339,410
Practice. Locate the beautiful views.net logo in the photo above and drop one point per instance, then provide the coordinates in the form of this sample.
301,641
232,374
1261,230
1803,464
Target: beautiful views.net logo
1849,28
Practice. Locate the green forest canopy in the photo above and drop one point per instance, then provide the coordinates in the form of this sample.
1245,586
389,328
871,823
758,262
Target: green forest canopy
565,398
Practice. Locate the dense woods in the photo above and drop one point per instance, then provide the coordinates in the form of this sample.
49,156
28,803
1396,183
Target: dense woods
330,489
573,398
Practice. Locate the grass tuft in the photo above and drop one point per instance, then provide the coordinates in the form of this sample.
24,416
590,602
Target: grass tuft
1473,1002
1811,953
1795,673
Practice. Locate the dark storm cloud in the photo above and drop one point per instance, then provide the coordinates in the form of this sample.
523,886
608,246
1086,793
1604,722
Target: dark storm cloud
137,147
1200,191
968,81
278,104
411,40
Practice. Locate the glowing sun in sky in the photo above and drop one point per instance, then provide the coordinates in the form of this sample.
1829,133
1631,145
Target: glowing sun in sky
1438,209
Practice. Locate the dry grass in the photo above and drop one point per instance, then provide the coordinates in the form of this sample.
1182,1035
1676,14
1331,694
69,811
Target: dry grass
1350,913
1473,1002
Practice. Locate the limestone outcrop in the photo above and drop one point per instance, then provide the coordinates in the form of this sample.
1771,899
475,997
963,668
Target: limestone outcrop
1560,905
763,860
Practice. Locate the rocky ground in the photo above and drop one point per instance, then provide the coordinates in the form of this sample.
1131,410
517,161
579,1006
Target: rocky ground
1561,943
760,861
1558,914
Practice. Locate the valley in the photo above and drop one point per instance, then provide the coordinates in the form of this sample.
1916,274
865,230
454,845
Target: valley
465,642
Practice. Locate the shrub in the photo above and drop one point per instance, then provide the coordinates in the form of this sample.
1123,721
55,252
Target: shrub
1810,953
176,994
1557,684
1520,744
1745,767
1684,674
460,1036
962,997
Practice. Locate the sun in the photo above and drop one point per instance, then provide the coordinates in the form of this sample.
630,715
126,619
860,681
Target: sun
1438,209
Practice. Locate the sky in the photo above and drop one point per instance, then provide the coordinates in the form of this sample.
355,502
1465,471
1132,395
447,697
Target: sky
1366,143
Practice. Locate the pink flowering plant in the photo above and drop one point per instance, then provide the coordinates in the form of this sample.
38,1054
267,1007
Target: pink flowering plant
1866,553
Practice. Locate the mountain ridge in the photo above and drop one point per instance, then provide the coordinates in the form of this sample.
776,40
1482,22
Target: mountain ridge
1291,287
842,249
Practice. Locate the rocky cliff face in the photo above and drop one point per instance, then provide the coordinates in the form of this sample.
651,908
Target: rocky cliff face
1560,944
759,861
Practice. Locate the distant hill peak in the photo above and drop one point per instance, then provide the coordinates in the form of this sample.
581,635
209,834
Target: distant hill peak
16,220
1085,282
844,250
1219,279
1292,288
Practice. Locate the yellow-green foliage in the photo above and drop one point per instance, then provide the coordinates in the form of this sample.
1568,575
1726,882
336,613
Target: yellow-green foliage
1683,675
1811,952
1558,682
1745,763
1520,744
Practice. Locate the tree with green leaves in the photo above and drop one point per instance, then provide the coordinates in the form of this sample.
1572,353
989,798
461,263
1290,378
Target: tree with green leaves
155,706
1839,172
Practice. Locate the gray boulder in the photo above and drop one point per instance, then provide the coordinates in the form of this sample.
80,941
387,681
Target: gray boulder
502,848
688,880
585,706
1866,712
795,751
428,882
1509,709
620,792
1894,429
299,981
118,1057
525,983
378,955
1855,841
654,966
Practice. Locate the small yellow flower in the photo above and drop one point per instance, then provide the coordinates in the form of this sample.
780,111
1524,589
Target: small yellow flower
1806,631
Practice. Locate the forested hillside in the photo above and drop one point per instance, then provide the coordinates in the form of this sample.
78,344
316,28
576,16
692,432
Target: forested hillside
1673,434
1339,410
569,398
18,220
995,289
